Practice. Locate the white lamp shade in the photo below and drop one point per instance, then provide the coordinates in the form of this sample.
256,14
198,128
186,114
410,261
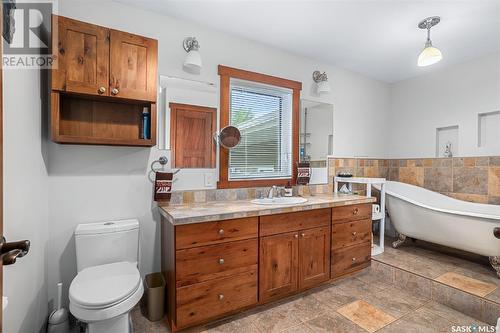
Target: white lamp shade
322,87
429,56
193,60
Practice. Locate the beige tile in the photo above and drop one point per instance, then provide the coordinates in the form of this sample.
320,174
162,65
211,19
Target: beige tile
494,296
395,301
470,197
467,284
471,180
459,300
421,321
235,324
491,312
366,315
307,307
494,181
412,282
412,175
302,328
469,161
275,319
438,179
454,316
333,323
334,297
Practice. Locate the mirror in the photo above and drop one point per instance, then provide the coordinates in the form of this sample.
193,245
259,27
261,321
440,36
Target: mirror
316,138
229,137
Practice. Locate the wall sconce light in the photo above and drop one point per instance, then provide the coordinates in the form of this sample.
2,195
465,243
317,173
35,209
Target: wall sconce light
192,63
321,80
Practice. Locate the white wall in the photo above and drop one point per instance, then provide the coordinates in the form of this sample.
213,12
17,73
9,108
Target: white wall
96,183
447,97
25,200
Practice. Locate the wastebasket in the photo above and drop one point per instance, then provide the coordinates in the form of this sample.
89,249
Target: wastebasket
155,296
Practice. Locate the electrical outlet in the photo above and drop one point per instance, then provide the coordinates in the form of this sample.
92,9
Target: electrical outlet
209,180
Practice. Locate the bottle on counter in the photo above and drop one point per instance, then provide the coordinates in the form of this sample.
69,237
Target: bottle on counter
288,190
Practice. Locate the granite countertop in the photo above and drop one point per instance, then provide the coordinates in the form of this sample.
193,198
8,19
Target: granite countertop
225,210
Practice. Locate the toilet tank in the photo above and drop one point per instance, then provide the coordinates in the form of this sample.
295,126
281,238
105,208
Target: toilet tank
106,242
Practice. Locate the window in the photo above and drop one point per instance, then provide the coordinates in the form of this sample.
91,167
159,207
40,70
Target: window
263,114
265,110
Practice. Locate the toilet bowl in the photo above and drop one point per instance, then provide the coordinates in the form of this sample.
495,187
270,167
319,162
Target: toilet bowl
108,284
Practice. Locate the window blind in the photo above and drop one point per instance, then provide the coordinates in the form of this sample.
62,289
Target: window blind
263,114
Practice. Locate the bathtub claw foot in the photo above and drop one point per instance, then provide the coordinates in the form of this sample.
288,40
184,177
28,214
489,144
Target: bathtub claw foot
401,239
495,263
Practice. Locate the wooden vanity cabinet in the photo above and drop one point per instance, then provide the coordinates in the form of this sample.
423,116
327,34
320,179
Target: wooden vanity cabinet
351,239
294,252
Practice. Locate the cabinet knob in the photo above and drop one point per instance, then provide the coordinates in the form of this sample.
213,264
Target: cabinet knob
115,91
354,233
221,261
102,90
296,235
353,259
221,297
303,235
355,211
221,232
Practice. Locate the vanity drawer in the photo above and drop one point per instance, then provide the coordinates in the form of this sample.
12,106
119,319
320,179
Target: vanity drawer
200,234
289,222
352,213
204,263
351,233
350,259
199,302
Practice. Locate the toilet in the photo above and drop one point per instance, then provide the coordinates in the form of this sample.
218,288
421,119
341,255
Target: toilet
108,284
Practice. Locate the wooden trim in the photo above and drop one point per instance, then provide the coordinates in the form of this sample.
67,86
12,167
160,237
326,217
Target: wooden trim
258,77
174,108
226,73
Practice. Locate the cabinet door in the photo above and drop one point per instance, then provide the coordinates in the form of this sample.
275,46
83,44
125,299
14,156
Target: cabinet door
82,58
133,72
314,257
278,261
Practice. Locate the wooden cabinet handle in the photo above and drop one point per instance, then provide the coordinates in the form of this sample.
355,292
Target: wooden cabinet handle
303,235
296,235
221,232
102,90
354,233
353,259
221,297
221,261
115,91
355,211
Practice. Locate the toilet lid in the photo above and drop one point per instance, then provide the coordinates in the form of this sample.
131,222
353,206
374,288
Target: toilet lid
104,285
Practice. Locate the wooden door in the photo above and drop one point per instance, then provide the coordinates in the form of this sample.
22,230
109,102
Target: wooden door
133,72
191,135
278,262
82,55
314,257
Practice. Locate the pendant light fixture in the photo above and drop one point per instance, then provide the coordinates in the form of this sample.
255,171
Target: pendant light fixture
430,54
192,63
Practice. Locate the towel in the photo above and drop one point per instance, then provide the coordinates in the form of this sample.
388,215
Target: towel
163,186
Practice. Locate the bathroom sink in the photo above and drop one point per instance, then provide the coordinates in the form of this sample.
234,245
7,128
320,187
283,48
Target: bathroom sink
279,201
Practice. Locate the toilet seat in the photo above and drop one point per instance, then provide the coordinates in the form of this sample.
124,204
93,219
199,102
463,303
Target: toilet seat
105,291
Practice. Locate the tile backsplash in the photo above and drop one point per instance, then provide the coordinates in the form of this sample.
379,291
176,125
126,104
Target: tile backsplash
475,179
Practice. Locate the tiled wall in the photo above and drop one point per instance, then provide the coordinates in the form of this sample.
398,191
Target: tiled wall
475,179
202,196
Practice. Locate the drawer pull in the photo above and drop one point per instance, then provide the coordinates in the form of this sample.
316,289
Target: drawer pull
296,235
303,235
353,259
221,297
354,233
355,211
221,232
221,261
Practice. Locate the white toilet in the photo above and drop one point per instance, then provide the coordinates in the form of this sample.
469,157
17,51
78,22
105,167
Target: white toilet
108,284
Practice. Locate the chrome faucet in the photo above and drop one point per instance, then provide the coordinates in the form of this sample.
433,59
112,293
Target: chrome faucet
270,194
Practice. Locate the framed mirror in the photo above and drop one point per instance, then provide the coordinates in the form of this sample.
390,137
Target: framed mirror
316,138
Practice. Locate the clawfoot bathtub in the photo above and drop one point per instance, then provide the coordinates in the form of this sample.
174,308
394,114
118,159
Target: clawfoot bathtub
426,215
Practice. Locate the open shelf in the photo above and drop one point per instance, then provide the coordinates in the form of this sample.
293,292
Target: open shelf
80,120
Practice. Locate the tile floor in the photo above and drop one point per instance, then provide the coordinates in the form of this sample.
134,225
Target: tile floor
465,272
365,302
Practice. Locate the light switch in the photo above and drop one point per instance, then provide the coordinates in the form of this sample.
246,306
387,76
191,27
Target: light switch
209,180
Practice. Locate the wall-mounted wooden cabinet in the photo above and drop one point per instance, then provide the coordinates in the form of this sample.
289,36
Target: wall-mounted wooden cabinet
101,82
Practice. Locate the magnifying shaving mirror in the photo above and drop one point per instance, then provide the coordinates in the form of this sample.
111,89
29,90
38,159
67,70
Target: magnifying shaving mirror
228,137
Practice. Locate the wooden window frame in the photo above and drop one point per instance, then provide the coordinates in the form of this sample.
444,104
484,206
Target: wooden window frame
226,73
174,109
